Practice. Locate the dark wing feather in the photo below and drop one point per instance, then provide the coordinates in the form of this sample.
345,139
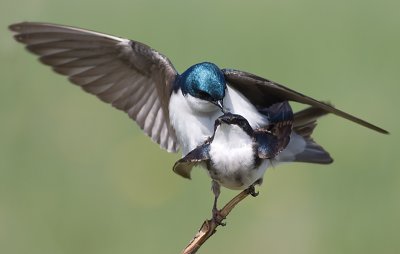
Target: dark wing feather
184,166
263,93
275,137
127,74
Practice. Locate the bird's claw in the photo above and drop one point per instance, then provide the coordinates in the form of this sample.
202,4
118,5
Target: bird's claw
252,191
217,217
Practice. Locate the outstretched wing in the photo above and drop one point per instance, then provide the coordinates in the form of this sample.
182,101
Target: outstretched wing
263,93
184,166
127,74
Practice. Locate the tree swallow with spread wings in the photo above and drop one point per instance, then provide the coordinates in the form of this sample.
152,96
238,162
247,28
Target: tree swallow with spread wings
175,110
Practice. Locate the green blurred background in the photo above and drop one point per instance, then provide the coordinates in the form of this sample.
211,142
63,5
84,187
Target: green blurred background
77,176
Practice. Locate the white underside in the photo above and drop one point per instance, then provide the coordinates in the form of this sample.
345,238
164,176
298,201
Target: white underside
232,158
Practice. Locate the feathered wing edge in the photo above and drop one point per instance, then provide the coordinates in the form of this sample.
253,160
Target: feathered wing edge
127,74
302,148
264,92
184,166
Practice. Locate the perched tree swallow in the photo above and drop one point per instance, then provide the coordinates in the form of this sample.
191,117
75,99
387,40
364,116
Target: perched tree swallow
236,156
175,110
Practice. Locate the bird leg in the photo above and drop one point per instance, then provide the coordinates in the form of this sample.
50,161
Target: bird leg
216,214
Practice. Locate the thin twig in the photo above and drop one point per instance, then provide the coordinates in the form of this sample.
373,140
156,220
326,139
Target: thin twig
209,226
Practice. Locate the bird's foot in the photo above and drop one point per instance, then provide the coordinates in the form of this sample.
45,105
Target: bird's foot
217,217
252,191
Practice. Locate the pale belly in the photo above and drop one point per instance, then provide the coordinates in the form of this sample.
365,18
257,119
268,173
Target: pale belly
233,172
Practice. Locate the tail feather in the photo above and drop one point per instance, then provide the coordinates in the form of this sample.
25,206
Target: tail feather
313,153
302,148
306,120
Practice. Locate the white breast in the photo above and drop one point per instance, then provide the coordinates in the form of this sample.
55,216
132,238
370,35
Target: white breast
232,158
231,149
193,119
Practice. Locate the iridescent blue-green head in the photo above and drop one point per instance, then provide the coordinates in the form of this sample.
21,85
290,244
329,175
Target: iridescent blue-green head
204,81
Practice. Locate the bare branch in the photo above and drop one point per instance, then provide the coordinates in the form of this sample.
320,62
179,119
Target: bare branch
209,226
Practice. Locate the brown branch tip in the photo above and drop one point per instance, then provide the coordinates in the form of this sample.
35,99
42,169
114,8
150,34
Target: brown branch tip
209,226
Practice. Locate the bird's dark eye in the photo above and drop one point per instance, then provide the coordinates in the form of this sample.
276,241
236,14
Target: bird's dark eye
204,96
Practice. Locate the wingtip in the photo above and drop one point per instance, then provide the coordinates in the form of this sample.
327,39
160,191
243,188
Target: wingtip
19,26
15,27
178,170
378,129
384,132
186,176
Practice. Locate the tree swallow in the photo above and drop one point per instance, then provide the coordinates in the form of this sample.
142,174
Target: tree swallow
175,110
236,156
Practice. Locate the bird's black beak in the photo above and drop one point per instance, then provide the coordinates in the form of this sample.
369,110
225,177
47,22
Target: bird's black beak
220,104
